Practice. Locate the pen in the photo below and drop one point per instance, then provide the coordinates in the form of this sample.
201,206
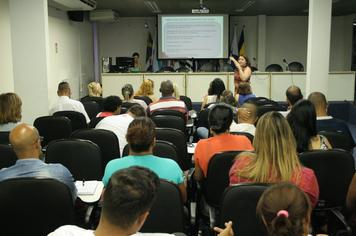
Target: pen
83,182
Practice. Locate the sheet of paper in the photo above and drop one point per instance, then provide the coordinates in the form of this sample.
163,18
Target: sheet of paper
87,188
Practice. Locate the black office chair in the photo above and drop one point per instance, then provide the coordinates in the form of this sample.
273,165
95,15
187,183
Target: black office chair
166,214
93,122
177,138
77,119
166,69
161,149
92,108
7,156
173,122
4,137
265,105
105,139
217,178
128,105
333,187
238,204
274,68
339,140
248,135
296,66
52,128
146,99
33,206
81,157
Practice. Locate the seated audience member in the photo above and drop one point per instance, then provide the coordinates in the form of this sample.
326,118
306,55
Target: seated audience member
65,103
128,94
94,93
146,89
167,101
220,118
323,120
245,93
119,124
302,120
26,143
10,111
127,200
246,123
141,137
176,91
111,106
216,87
275,158
293,95
284,210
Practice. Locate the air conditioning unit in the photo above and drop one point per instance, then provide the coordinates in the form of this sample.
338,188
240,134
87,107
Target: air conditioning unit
103,15
73,5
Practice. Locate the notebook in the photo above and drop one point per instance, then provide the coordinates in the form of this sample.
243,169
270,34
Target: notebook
87,188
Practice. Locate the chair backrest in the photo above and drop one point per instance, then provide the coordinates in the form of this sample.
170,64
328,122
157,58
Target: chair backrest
33,206
217,178
105,139
274,68
166,69
334,170
239,205
265,105
81,157
168,121
166,215
93,122
146,99
187,101
4,137
177,138
53,127
7,156
248,135
92,108
168,112
202,120
161,149
339,140
296,66
77,119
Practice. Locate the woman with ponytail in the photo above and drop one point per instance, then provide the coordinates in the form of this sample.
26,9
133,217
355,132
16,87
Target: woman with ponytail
128,95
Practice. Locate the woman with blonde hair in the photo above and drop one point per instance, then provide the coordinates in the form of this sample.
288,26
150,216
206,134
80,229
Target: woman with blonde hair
275,158
94,94
146,89
10,111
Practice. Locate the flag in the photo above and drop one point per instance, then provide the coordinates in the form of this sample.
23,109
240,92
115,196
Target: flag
233,46
155,64
149,51
241,44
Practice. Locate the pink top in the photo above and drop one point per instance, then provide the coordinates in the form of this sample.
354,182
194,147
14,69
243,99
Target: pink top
307,182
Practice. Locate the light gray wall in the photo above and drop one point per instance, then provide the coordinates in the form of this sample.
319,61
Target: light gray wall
286,37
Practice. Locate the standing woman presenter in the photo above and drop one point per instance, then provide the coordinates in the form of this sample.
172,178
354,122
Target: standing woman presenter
242,71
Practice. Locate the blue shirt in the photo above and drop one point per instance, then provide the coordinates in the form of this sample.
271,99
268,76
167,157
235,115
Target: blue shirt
165,168
36,168
244,97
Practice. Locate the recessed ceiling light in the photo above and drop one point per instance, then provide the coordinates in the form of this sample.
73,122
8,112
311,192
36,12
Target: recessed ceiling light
245,6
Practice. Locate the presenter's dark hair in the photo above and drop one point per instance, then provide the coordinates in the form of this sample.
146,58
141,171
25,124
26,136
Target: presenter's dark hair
248,64
220,118
141,134
111,103
129,194
135,54
302,120
216,87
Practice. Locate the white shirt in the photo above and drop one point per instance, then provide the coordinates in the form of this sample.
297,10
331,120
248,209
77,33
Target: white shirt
243,127
118,125
64,103
72,230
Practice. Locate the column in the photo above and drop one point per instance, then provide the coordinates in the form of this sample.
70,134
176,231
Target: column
261,43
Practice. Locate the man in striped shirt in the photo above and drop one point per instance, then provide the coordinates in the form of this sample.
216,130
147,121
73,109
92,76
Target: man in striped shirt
167,101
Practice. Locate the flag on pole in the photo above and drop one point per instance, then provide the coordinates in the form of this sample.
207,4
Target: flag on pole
241,44
234,46
155,65
149,51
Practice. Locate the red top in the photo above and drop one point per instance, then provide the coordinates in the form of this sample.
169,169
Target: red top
206,148
104,114
307,180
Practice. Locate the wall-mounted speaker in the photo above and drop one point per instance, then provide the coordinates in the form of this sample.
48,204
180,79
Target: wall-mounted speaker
76,16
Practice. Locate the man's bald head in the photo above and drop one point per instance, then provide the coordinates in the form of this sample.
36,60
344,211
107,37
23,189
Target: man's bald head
319,101
25,141
252,113
166,88
293,94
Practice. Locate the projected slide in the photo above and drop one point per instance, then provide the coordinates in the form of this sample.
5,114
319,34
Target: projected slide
193,37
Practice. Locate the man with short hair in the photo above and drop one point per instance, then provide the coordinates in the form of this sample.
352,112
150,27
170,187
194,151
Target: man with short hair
26,143
324,122
246,123
65,103
293,95
168,101
127,200
119,124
